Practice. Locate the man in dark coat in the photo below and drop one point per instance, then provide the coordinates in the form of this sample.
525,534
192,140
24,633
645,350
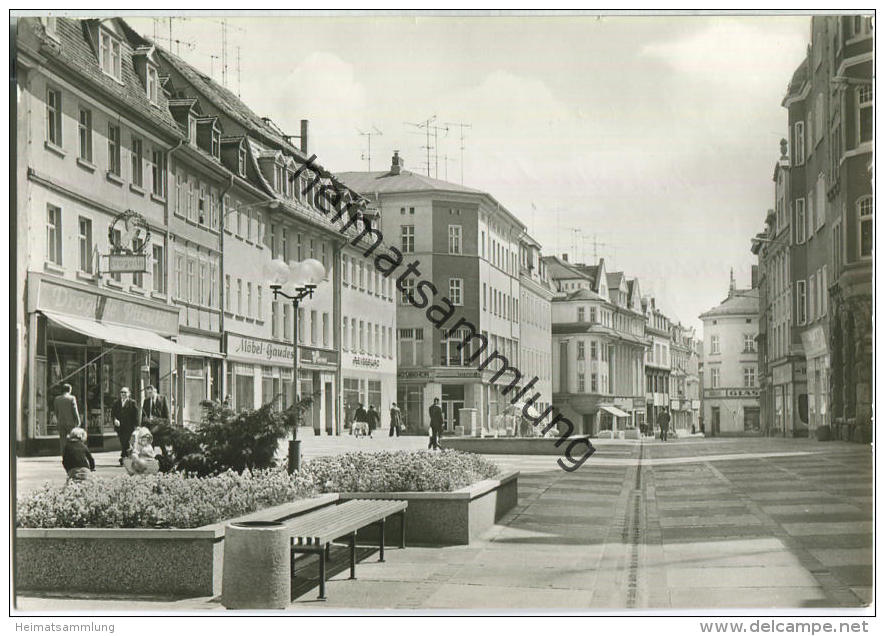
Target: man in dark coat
127,418
67,416
396,420
436,424
154,407
664,423
373,418
360,421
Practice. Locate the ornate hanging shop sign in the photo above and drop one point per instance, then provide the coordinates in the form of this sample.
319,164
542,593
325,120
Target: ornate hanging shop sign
129,237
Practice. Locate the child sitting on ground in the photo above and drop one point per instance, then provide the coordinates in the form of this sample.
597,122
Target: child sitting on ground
76,458
142,458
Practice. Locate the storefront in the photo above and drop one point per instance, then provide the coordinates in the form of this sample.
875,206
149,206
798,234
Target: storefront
369,380
97,341
259,371
200,377
817,359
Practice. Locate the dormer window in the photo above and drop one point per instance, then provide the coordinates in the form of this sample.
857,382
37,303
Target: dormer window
216,144
50,24
241,166
110,55
153,84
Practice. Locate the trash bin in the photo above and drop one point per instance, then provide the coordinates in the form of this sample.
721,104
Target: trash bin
256,572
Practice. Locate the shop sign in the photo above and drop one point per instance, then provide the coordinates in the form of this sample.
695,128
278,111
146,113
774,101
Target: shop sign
123,263
413,374
309,355
782,374
638,403
814,341
257,350
52,296
463,373
364,361
742,393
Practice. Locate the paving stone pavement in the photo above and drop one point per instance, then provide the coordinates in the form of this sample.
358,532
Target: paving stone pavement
734,523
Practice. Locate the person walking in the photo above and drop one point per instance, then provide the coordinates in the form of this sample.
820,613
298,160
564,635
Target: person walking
76,458
360,421
664,423
374,419
126,415
154,407
396,420
67,416
436,425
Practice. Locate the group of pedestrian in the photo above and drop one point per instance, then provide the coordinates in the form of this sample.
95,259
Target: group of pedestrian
367,421
131,423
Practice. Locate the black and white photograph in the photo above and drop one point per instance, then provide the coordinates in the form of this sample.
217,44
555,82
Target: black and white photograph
425,312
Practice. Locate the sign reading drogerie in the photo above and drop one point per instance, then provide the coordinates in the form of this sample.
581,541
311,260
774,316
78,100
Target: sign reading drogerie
123,263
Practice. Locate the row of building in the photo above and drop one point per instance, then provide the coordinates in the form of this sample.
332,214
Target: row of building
815,254
150,202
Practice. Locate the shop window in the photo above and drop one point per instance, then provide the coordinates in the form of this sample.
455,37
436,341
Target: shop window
245,387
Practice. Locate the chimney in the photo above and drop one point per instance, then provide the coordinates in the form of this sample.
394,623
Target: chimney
396,163
731,285
754,276
304,126
565,257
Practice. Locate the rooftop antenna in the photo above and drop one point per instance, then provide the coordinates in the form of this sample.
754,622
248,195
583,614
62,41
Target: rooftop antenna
427,126
462,126
576,234
212,59
367,156
238,72
596,246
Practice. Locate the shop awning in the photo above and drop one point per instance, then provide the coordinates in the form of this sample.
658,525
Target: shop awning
614,410
119,335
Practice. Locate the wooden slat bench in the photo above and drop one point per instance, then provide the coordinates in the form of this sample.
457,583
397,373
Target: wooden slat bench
315,532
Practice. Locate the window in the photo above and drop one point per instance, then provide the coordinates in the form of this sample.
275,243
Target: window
239,296
362,277
593,350
714,378
800,302
820,195
227,292
201,205
287,324
454,239
864,113
325,329
216,144
837,248
594,383
110,55
137,278
799,207
114,149
260,303
53,116
865,226
85,135
85,243
192,130
153,84
824,284
580,314
249,307
158,270
137,163
455,289
158,171
274,319
284,244
407,290
407,238
798,143
53,234
580,382
819,115
749,343
241,165
580,350
749,376
362,340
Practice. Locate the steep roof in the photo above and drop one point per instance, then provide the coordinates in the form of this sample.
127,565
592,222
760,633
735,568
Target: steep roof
581,294
614,279
78,39
741,302
558,268
405,181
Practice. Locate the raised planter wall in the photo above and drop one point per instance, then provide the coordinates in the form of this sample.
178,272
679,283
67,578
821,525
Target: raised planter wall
446,518
509,445
163,561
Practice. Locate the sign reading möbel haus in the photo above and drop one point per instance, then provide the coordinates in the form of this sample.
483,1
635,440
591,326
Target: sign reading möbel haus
248,349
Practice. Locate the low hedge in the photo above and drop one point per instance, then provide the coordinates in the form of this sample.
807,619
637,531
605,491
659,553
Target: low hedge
397,471
170,500
174,500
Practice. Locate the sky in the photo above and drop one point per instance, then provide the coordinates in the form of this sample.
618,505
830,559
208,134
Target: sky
652,139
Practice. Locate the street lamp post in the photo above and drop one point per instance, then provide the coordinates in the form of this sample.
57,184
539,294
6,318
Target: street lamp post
305,291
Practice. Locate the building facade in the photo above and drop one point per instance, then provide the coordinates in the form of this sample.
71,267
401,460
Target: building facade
730,389
465,248
598,347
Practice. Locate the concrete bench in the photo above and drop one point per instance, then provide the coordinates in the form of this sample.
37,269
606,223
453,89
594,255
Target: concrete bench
314,533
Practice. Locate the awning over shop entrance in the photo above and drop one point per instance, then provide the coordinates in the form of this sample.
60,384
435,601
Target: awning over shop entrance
614,410
117,334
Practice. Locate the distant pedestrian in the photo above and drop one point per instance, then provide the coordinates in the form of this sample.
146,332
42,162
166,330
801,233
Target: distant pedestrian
67,416
360,421
154,408
436,425
125,414
374,419
664,423
76,458
396,420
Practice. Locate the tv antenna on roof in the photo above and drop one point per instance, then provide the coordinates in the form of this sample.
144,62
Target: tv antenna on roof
171,40
367,156
427,125
462,126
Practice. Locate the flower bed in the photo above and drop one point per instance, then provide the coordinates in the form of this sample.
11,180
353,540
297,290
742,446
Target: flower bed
170,500
398,471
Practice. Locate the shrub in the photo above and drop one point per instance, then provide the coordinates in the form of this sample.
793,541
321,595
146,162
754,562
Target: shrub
227,439
165,500
392,471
